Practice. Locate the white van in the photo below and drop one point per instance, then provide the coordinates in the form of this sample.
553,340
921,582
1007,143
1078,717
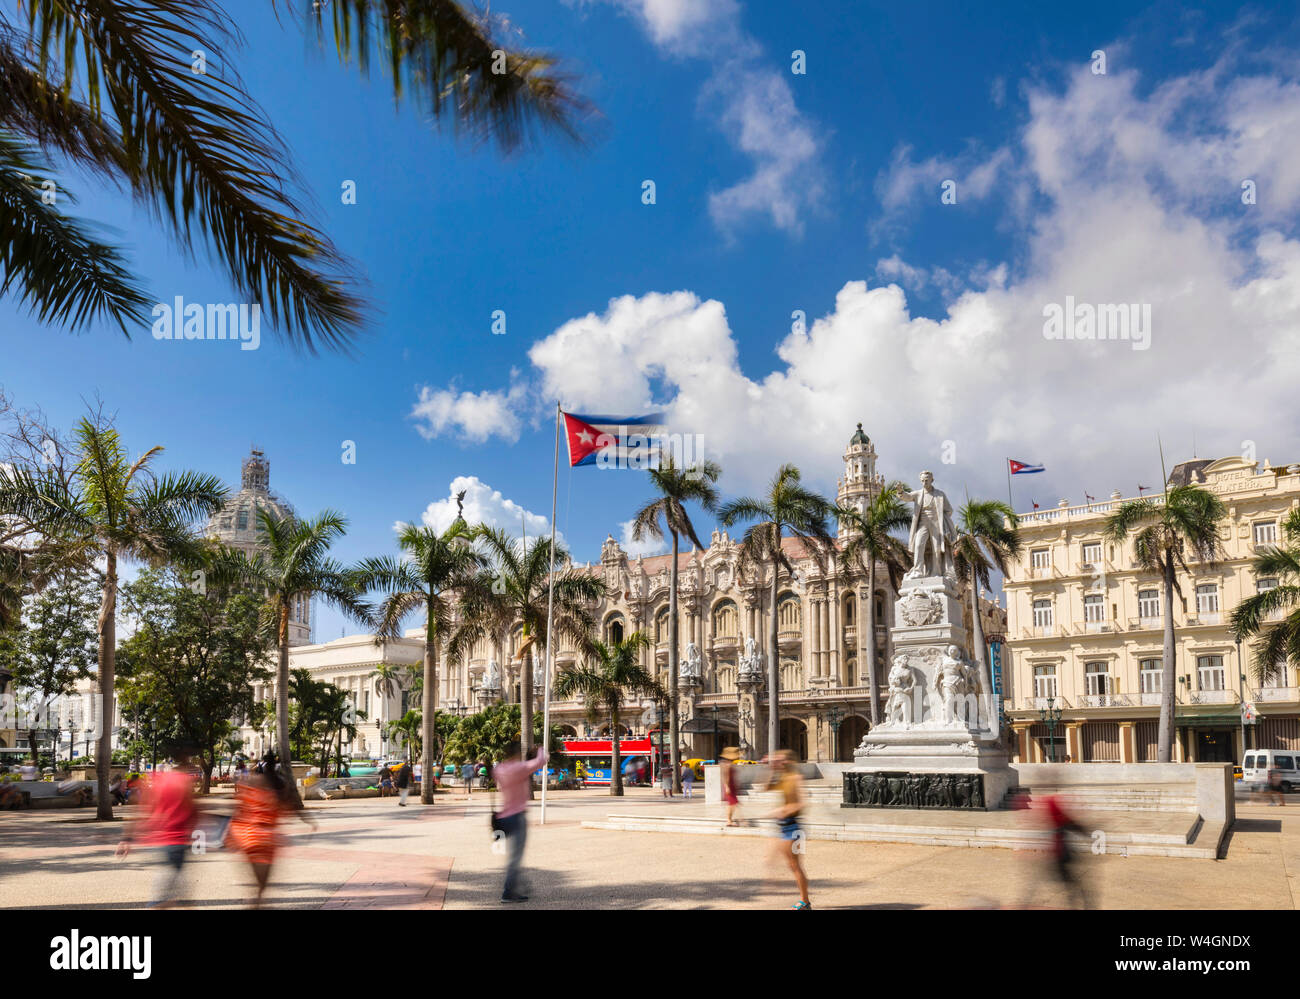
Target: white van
1258,762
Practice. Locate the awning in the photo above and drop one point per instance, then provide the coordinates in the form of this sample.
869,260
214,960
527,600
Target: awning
1208,721
703,725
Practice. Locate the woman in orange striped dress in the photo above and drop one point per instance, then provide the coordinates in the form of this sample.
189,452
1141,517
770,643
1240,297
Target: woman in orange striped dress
258,804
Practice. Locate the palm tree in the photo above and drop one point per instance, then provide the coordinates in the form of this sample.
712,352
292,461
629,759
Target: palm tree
604,684
788,506
676,487
434,566
987,538
1165,536
871,543
291,562
108,86
231,745
513,590
109,510
410,727
1281,640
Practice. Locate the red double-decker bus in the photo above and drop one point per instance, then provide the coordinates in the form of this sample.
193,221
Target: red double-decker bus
637,759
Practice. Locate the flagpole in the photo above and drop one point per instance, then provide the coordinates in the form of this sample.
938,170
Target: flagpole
550,614
1009,501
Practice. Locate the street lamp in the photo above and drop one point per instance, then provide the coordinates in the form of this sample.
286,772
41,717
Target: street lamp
715,731
835,716
1241,689
1051,717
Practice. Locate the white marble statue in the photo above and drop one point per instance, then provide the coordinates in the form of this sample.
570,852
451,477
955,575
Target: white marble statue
751,663
951,683
492,678
692,665
933,532
901,683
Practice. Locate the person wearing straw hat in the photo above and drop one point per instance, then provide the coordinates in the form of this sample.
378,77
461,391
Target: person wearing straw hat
730,789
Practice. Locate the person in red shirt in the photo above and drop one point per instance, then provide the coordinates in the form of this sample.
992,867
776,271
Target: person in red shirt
168,824
1060,822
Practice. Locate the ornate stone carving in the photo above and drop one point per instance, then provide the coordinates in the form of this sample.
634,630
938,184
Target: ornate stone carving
913,790
692,666
492,678
751,663
901,683
918,609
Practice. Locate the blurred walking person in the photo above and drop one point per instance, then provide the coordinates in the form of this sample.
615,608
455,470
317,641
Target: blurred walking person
790,838
1062,860
514,778
730,788
688,781
467,775
258,804
168,824
403,782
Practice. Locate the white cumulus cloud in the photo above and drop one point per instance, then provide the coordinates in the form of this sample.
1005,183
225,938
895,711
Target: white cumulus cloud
484,505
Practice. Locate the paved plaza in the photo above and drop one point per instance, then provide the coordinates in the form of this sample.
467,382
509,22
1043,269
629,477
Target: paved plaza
369,853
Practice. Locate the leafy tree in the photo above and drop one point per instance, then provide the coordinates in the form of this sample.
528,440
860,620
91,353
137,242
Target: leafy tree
106,510
57,646
606,683
676,488
1281,642
787,507
987,538
110,87
433,568
195,658
292,561
871,543
488,735
1165,536
514,590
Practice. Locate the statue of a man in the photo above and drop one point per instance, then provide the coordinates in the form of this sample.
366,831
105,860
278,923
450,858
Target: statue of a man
933,532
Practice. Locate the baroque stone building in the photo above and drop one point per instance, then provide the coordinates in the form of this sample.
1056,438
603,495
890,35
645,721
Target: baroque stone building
724,630
1085,631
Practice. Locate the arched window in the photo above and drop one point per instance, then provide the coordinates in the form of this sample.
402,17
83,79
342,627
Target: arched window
850,609
661,626
614,630
787,612
725,620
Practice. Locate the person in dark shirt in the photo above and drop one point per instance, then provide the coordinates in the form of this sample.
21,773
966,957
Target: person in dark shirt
403,782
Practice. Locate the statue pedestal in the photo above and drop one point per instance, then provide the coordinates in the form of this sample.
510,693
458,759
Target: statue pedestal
936,748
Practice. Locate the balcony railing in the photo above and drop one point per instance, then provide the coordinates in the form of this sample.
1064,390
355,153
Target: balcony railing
1148,699
1276,693
1039,703
1105,701
1212,697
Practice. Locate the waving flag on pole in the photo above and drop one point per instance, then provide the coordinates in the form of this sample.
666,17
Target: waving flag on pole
1023,467
616,441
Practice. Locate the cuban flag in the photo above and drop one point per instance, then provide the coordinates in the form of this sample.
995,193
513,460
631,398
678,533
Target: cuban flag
611,439
1023,467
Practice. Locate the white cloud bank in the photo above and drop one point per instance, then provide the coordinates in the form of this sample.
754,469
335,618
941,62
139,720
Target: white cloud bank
485,505
1115,197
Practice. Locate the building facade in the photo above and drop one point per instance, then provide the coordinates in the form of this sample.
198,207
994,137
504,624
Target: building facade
1085,632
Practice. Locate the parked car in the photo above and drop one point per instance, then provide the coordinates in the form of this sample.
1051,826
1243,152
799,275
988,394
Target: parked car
1258,763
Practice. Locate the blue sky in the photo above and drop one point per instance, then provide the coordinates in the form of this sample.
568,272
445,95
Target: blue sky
775,192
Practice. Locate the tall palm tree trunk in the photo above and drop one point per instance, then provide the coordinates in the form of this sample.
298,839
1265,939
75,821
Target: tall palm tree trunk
282,710
870,620
979,649
526,704
1164,751
430,706
774,670
674,752
107,664
616,771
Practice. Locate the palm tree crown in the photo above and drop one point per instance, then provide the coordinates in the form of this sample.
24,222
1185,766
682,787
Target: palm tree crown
111,86
1251,618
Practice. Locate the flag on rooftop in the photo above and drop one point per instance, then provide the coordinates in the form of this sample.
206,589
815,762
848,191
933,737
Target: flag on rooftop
1022,467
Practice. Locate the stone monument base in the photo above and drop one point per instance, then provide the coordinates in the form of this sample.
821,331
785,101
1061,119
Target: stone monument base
926,768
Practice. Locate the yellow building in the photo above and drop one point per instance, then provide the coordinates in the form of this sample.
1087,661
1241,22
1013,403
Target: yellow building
1085,631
